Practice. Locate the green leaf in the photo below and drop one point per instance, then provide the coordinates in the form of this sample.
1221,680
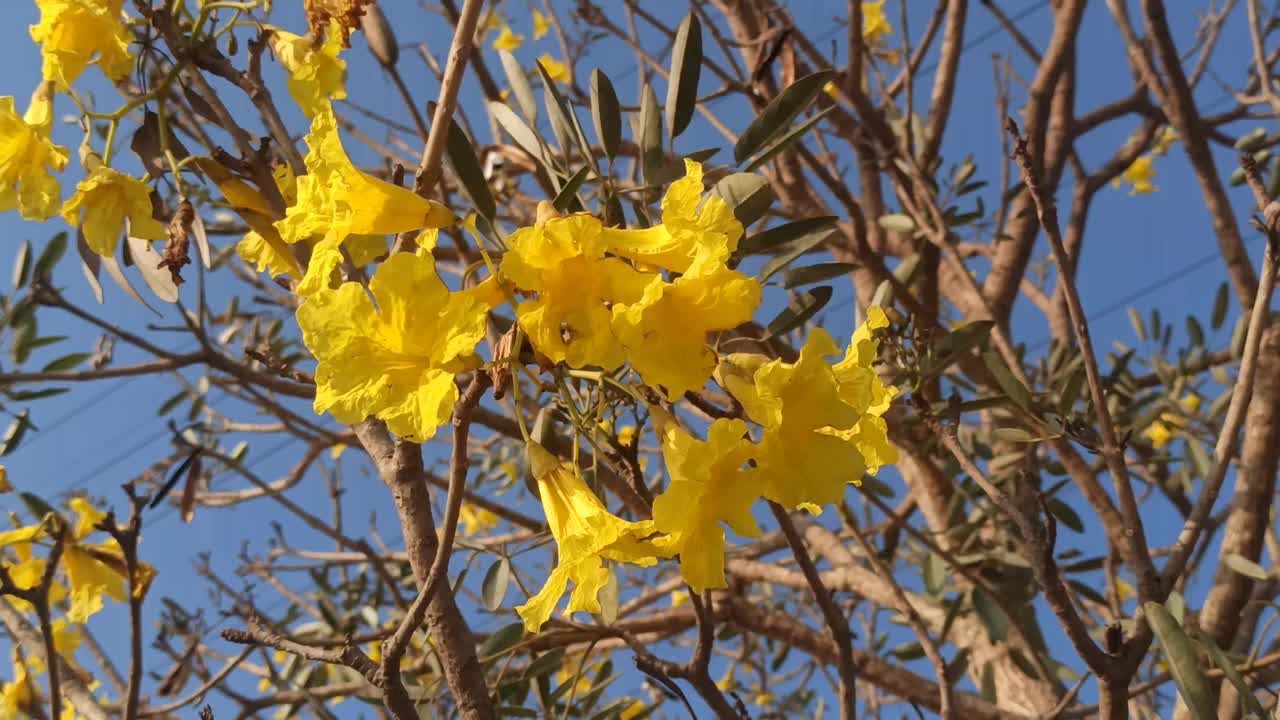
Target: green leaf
1184,662
897,222
36,505
173,402
501,641
564,121
519,132
686,66
649,137
780,113
569,192
606,113
17,430
747,193
1221,302
1065,514
783,142
66,362
462,157
802,307
992,617
1244,566
24,338
1228,668
544,664
22,265
1135,319
1200,459
935,575
766,240
811,274
28,395
52,253
520,87
493,590
1014,434
1016,391
1195,333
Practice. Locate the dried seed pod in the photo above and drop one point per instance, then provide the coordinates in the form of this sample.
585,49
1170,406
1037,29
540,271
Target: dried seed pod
377,32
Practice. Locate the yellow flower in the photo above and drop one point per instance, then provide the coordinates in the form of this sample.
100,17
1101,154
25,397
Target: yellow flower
634,710
665,332
274,257
679,598
1190,403
626,435
108,197
1139,174
822,425
72,32
726,682
316,73
490,22
562,260
558,71
395,361
27,159
1168,136
541,25
508,40
709,486
690,228
763,698
476,519
586,535
831,90
335,200
874,23
1163,430
16,698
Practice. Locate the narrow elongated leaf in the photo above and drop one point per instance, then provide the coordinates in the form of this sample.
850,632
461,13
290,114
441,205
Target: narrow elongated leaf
1065,514
66,362
1184,662
785,141
794,250
16,432
22,265
767,240
518,130
501,641
462,158
810,274
1195,333
563,116
90,264
1244,566
801,308
1221,303
778,115
1139,328
1228,668
493,590
748,194
992,617
52,253
520,87
935,575
201,237
568,193
159,279
606,113
650,137
686,66
1016,391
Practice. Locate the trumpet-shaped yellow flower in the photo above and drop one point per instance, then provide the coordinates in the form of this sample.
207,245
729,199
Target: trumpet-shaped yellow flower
822,424
562,260
586,535
875,25
28,159
558,71
71,33
90,580
508,40
690,228
335,199
102,203
665,332
395,361
541,25
17,698
1139,175
709,486
316,73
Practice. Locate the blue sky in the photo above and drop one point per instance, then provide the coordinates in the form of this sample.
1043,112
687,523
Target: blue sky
100,435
